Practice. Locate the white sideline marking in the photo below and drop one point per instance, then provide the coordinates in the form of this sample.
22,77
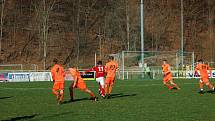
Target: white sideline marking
146,85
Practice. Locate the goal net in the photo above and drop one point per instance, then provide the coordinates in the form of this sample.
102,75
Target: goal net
147,64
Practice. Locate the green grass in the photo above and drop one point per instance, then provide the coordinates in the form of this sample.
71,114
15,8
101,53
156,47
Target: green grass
132,100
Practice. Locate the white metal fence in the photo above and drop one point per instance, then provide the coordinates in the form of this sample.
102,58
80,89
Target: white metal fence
18,67
130,62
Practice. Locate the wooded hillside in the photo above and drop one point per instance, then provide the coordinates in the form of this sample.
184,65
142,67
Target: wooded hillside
36,31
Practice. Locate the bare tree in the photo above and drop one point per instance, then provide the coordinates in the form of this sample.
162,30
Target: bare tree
43,9
211,9
2,21
127,24
78,33
158,19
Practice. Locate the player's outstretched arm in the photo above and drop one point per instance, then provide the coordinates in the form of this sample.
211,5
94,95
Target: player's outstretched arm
89,70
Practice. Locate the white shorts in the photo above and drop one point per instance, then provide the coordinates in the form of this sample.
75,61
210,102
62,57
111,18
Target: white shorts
101,81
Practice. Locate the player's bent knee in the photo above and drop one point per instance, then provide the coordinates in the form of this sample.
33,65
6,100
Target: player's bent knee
106,85
207,83
54,91
111,84
61,92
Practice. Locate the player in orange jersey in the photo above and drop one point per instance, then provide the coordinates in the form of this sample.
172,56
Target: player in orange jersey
204,78
168,76
110,68
58,75
80,84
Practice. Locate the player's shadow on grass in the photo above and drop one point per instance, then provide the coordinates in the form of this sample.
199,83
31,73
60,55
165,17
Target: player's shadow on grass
75,100
119,95
210,91
5,97
21,118
56,115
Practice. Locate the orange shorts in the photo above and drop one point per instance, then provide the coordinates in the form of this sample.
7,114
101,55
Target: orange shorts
109,80
58,86
167,77
204,80
81,85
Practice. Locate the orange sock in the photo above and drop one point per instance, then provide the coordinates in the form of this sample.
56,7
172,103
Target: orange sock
106,89
175,85
168,86
92,94
210,86
201,85
110,89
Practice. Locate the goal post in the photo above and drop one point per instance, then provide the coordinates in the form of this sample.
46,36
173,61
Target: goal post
131,65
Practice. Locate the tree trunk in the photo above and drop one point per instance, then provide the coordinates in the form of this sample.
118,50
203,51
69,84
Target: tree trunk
127,25
44,33
2,20
78,33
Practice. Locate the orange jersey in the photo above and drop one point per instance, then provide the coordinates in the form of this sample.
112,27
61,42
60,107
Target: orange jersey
203,69
111,68
57,72
166,68
76,75
109,80
58,86
167,73
209,68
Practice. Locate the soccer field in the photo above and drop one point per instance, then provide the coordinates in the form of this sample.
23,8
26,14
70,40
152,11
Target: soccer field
132,100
